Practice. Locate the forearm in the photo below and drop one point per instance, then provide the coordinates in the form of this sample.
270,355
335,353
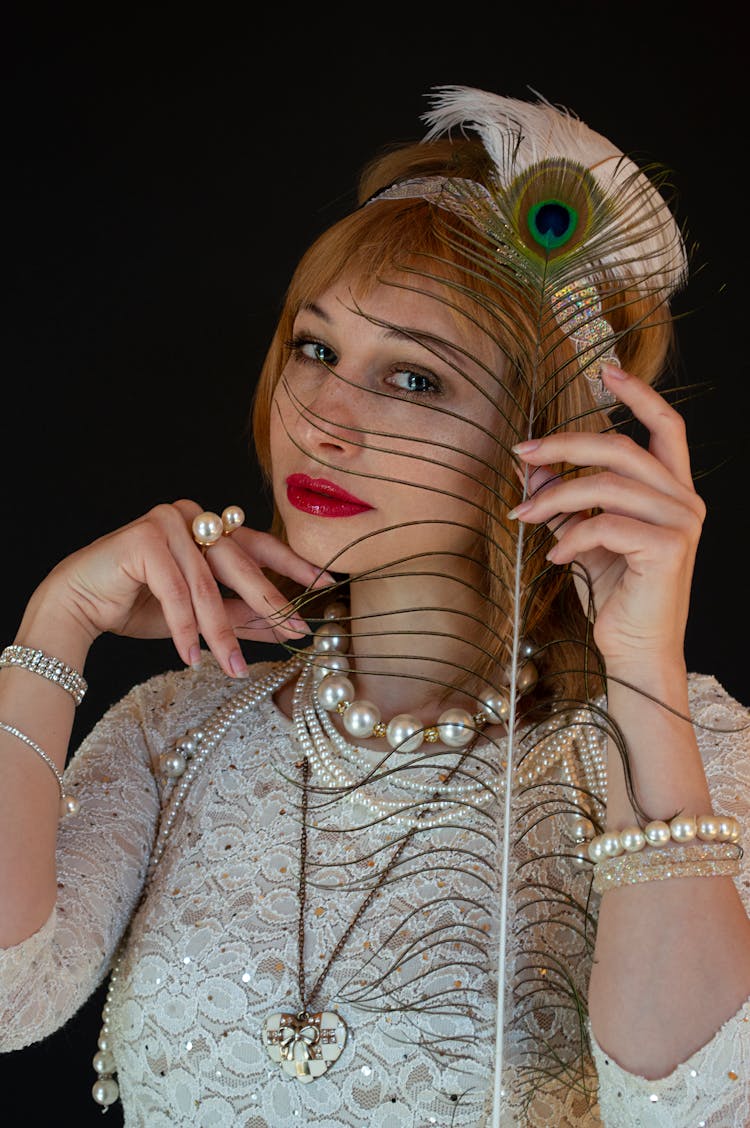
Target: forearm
29,792
672,958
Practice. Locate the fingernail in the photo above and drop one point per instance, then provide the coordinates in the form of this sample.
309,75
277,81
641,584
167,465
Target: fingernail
237,664
298,625
527,447
552,555
324,578
614,372
195,656
520,510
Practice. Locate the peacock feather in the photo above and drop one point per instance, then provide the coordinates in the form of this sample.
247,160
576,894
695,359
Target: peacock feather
568,255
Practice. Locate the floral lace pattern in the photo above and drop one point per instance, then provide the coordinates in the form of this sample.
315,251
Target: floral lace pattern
212,949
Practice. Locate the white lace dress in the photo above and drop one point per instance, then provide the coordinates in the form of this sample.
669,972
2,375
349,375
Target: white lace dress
212,948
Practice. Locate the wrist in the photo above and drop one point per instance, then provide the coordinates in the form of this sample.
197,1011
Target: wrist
48,624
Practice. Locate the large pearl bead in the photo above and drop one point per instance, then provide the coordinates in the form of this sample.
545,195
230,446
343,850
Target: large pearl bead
207,528
527,678
633,839
528,647
496,705
104,1062
330,664
580,857
360,718
611,844
683,828
405,733
596,849
726,828
333,690
336,610
456,727
707,828
329,637
232,518
657,833
105,1091
171,764
580,828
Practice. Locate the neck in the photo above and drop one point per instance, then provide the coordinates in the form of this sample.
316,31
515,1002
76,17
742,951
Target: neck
415,641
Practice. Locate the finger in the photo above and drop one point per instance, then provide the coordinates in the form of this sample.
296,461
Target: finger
666,463
208,605
269,552
668,442
269,607
539,480
161,574
640,544
611,492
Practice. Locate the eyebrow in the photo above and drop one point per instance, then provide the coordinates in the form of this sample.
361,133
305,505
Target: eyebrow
389,334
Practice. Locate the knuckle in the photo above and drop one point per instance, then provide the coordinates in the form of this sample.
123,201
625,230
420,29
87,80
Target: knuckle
204,586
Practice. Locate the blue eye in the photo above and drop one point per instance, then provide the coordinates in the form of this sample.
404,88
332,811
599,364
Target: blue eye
417,383
316,351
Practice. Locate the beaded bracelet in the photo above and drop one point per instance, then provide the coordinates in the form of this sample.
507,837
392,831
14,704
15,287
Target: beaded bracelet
701,859
682,829
69,805
27,658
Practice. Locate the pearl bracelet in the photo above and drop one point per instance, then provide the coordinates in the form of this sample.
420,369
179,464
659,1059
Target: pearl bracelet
27,658
701,859
683,830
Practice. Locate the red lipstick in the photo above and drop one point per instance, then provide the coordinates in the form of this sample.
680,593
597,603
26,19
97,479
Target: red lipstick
322,498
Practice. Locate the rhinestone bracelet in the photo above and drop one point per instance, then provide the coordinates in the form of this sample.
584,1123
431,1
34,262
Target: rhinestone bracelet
26,658
702,859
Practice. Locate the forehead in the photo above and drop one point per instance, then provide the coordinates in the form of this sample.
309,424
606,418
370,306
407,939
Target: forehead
405,302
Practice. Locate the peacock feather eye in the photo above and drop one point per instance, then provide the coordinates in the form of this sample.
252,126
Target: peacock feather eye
552,223
551,206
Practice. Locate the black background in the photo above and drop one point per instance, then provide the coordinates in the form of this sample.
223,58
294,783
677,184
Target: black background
164,172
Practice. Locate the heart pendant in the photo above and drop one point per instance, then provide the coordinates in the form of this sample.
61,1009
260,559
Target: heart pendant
304,1045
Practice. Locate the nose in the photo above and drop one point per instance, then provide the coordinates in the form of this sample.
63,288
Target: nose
330,417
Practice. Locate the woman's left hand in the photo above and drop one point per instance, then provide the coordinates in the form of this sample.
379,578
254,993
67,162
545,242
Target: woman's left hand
639,551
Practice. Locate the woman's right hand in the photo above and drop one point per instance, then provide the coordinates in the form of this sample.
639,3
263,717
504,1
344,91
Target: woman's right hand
149,579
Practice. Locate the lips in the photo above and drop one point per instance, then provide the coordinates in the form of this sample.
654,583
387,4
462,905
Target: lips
322,498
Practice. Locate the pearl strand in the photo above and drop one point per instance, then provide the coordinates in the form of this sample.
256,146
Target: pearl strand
180,766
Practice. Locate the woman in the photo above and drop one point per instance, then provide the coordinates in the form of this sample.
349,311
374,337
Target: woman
358,885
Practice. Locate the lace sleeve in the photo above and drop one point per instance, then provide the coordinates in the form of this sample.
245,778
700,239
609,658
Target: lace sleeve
102,855
711,1088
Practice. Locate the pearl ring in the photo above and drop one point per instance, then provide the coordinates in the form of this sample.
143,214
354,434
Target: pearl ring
207,528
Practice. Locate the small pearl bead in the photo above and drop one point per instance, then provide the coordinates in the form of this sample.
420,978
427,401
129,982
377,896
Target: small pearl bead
456,727
633,839
333,690
360,718
657,833
708,828
581,857
207,528
528,647
683,828
405,733
69,806
596,849
232,518
106,1091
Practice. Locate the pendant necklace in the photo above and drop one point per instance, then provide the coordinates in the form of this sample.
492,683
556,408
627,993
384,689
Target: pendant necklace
307,1043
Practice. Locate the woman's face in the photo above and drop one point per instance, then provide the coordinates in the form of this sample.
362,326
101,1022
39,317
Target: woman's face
374,423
